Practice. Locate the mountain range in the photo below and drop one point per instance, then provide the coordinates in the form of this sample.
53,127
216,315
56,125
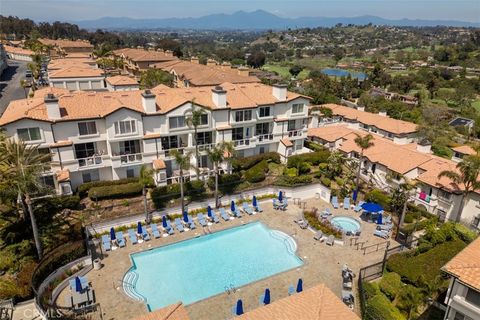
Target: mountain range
256,20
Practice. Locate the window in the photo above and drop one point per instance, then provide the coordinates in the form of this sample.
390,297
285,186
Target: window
243,115
129,147
90,176
29,134
473,297
264,112
444,195
125,127
476,222
297,108
442,215
130,173
176,122
291,125
47,181
237,134
204,119
86,128
84,150
262,128
204,138
170,142
298,145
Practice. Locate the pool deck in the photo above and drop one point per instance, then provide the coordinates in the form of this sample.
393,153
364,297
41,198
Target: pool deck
322,265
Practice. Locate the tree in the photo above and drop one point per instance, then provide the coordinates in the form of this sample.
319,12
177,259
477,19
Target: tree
146,180
399,201
24,85
194,120
256,59
153,77
338,54
217,155
21,165
465,179
408,300
335,163
295,70
445,94
363,143
183,163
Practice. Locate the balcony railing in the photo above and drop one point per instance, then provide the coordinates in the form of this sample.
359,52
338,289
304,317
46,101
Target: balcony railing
203,147
90,161
243,142
265,137
130,158
168,151
295,133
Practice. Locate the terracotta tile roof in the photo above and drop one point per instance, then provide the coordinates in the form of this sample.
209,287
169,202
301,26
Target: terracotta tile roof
329,133
58,64
316,303
76,72
466,265
172,312
159,164
121,81
286,142
16,50
66,43
61,143
202,75
432,170
78,55
372,119
465,150
63,175
42,92
141,55
151,135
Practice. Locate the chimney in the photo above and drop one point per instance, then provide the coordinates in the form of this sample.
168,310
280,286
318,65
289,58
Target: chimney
424,146
219,97
226,66
211,63
149,102
169,53
243,71
194,60
382,113
279,91
53,109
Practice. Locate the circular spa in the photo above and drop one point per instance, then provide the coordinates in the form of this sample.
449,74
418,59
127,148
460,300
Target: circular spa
347,224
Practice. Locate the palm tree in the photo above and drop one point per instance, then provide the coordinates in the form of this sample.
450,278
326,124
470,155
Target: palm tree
466,174
24,84
183,163
405,188
363,143
194,120
335,163
217,156
21,165
146,180
102,51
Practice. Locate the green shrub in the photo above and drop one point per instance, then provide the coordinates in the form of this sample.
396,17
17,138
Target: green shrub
370,289
248,162
313,158
408,218
115,191
285,181
67,202
257,172
390,284
464,233
195,187
291,172
325,226
83,188
325,181
382,308
378,196
304,168
226,182
313,146
339,181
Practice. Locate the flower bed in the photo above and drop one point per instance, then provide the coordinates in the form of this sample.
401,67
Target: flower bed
324,225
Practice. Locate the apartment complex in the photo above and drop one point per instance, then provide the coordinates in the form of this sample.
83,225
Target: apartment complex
61,47
110,135
463,295
137,60
16,53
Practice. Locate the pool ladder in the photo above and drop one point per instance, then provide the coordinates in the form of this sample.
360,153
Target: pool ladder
230,289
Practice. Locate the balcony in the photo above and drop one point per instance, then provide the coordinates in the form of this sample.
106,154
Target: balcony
295,133
241,143
204,147
131,158
168,152
265,137
90,161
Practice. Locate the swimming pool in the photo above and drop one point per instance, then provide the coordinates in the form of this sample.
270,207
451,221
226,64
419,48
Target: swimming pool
344,73
346,224
201,267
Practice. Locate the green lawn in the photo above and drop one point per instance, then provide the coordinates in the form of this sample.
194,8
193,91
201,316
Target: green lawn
476,104
282,70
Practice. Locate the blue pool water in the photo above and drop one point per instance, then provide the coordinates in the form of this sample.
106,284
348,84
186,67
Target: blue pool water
346,224
344,73
198,268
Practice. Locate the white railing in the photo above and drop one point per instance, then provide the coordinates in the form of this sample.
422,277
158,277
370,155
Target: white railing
243,142
265,137
129,158
295,133
203,147
90,161
168,151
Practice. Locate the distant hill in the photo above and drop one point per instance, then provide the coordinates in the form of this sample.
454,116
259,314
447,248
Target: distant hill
256,20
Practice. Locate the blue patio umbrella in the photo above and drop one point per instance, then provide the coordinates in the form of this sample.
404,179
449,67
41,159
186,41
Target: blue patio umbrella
139,227
78,284
209,211
379,218
239,308
266,297
164,221
185,216
372,207
280,196
232,205
112,234
300,285
254,201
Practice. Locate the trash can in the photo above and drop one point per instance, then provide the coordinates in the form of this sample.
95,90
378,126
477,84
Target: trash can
97,264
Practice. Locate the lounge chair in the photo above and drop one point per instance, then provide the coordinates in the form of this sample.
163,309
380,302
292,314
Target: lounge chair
384,227
155,232
145,235
318,235
179,225
133,236
214,217
291,290
284,204
106,245
276,204
346,203
120,239
236,213
201,220
83,282
326,213
335,202
169,228
223,214
358,207
247,209
191,223
302,223
381,234
330,240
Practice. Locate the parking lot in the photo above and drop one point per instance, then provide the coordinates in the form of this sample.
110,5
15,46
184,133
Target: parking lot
10,88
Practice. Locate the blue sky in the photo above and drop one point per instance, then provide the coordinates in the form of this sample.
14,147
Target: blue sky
49,10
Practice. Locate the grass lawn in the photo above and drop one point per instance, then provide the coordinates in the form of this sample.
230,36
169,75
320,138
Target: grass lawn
476,104
282,70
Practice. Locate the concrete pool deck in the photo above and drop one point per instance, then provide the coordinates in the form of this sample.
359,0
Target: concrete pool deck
322,265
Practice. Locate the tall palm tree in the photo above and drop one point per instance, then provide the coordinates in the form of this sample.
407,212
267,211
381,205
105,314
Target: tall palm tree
183,163
21,165
145,179
194,120
217,155
466,175
363,143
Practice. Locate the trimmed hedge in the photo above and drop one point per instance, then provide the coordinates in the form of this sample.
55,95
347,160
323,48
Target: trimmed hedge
391,284
83,188
115,191
226,182
287,181
161,195
248,162
382,308
313,158
378,196
257,172
325,181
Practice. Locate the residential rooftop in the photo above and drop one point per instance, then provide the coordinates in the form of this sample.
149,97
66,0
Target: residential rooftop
121,81
465,266
66,43
141,55
76,72
465,150
17,50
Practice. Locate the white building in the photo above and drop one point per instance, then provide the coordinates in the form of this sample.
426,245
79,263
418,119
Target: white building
19,54
77,78
110,135
121,83
463,295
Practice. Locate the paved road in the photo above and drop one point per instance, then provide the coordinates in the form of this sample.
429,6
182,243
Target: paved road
10,88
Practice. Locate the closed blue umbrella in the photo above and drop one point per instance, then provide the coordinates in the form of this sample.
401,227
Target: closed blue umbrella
164,221
78,284
372,207
209,211
139,227
239,309
379,218
232,205
266,297
112,234
355,195
254,201
280,196
185,216
300,285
